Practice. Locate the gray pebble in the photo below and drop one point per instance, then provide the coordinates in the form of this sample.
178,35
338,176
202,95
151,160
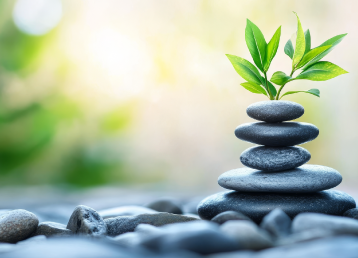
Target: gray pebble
247,234
52,229
229,215
165,205
124,224
304,179
17,225
277,223
275,111
278,134
85,220
200,237
334,224
304,236
257,205
130,210
274,158
352,213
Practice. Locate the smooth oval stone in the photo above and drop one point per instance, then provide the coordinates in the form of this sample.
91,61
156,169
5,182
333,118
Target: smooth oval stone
277,134
275,111
274,158
257,205
304,179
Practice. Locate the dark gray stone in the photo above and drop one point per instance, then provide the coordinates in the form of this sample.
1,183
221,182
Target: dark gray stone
85,220
275,111
130,210
304,179
274,158
313,221
344,246
17,225
277,223
165,205
201,237
52,229
124,224
229,215
247,234
278,134
352,213
257,205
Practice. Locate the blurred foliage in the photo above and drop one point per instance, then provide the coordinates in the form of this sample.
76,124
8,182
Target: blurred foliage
33,144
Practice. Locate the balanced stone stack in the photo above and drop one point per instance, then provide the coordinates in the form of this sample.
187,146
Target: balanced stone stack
276,176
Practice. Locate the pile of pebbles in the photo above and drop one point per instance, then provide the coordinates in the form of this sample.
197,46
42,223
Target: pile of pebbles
163,229
275,176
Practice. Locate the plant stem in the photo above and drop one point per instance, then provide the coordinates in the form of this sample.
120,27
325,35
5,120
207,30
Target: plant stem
268,88
279,91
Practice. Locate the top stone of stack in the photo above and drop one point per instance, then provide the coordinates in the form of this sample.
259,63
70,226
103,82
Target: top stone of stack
274,111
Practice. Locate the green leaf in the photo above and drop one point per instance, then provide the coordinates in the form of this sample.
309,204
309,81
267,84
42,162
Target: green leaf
314,92
271,49
311,55
331,42
289,50
300,44
254,88
321,71
280,78
256,43
307,41
272,89
245,69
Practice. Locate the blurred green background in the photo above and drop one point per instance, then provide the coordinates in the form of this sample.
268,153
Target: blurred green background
118,92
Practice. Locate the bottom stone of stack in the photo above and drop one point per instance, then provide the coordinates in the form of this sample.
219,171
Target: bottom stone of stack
257,205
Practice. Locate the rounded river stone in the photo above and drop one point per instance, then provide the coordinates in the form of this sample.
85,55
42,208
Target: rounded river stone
257,205
275,111
274,158
304,179
277,134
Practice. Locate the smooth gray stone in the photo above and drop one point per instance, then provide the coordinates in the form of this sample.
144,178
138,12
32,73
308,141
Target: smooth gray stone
165,205
274,158
304,179
200,237
124,224
336,225
275,111
130,210
17,225
247,234
344,246
32,240
52,229
277,134
257,205
229,215
85,220
304,236
277,223
352,213
5,248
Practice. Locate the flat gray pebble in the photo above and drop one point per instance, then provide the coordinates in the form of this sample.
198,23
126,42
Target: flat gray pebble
275,111
130,210
165,205
304,179
247,234
52,229
274,158
229,215
277,134
85,220
17,225
124,224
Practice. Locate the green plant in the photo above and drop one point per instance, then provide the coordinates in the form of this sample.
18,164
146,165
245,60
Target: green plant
303,58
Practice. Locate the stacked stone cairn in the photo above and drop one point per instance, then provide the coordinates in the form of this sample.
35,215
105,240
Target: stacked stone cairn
275,176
